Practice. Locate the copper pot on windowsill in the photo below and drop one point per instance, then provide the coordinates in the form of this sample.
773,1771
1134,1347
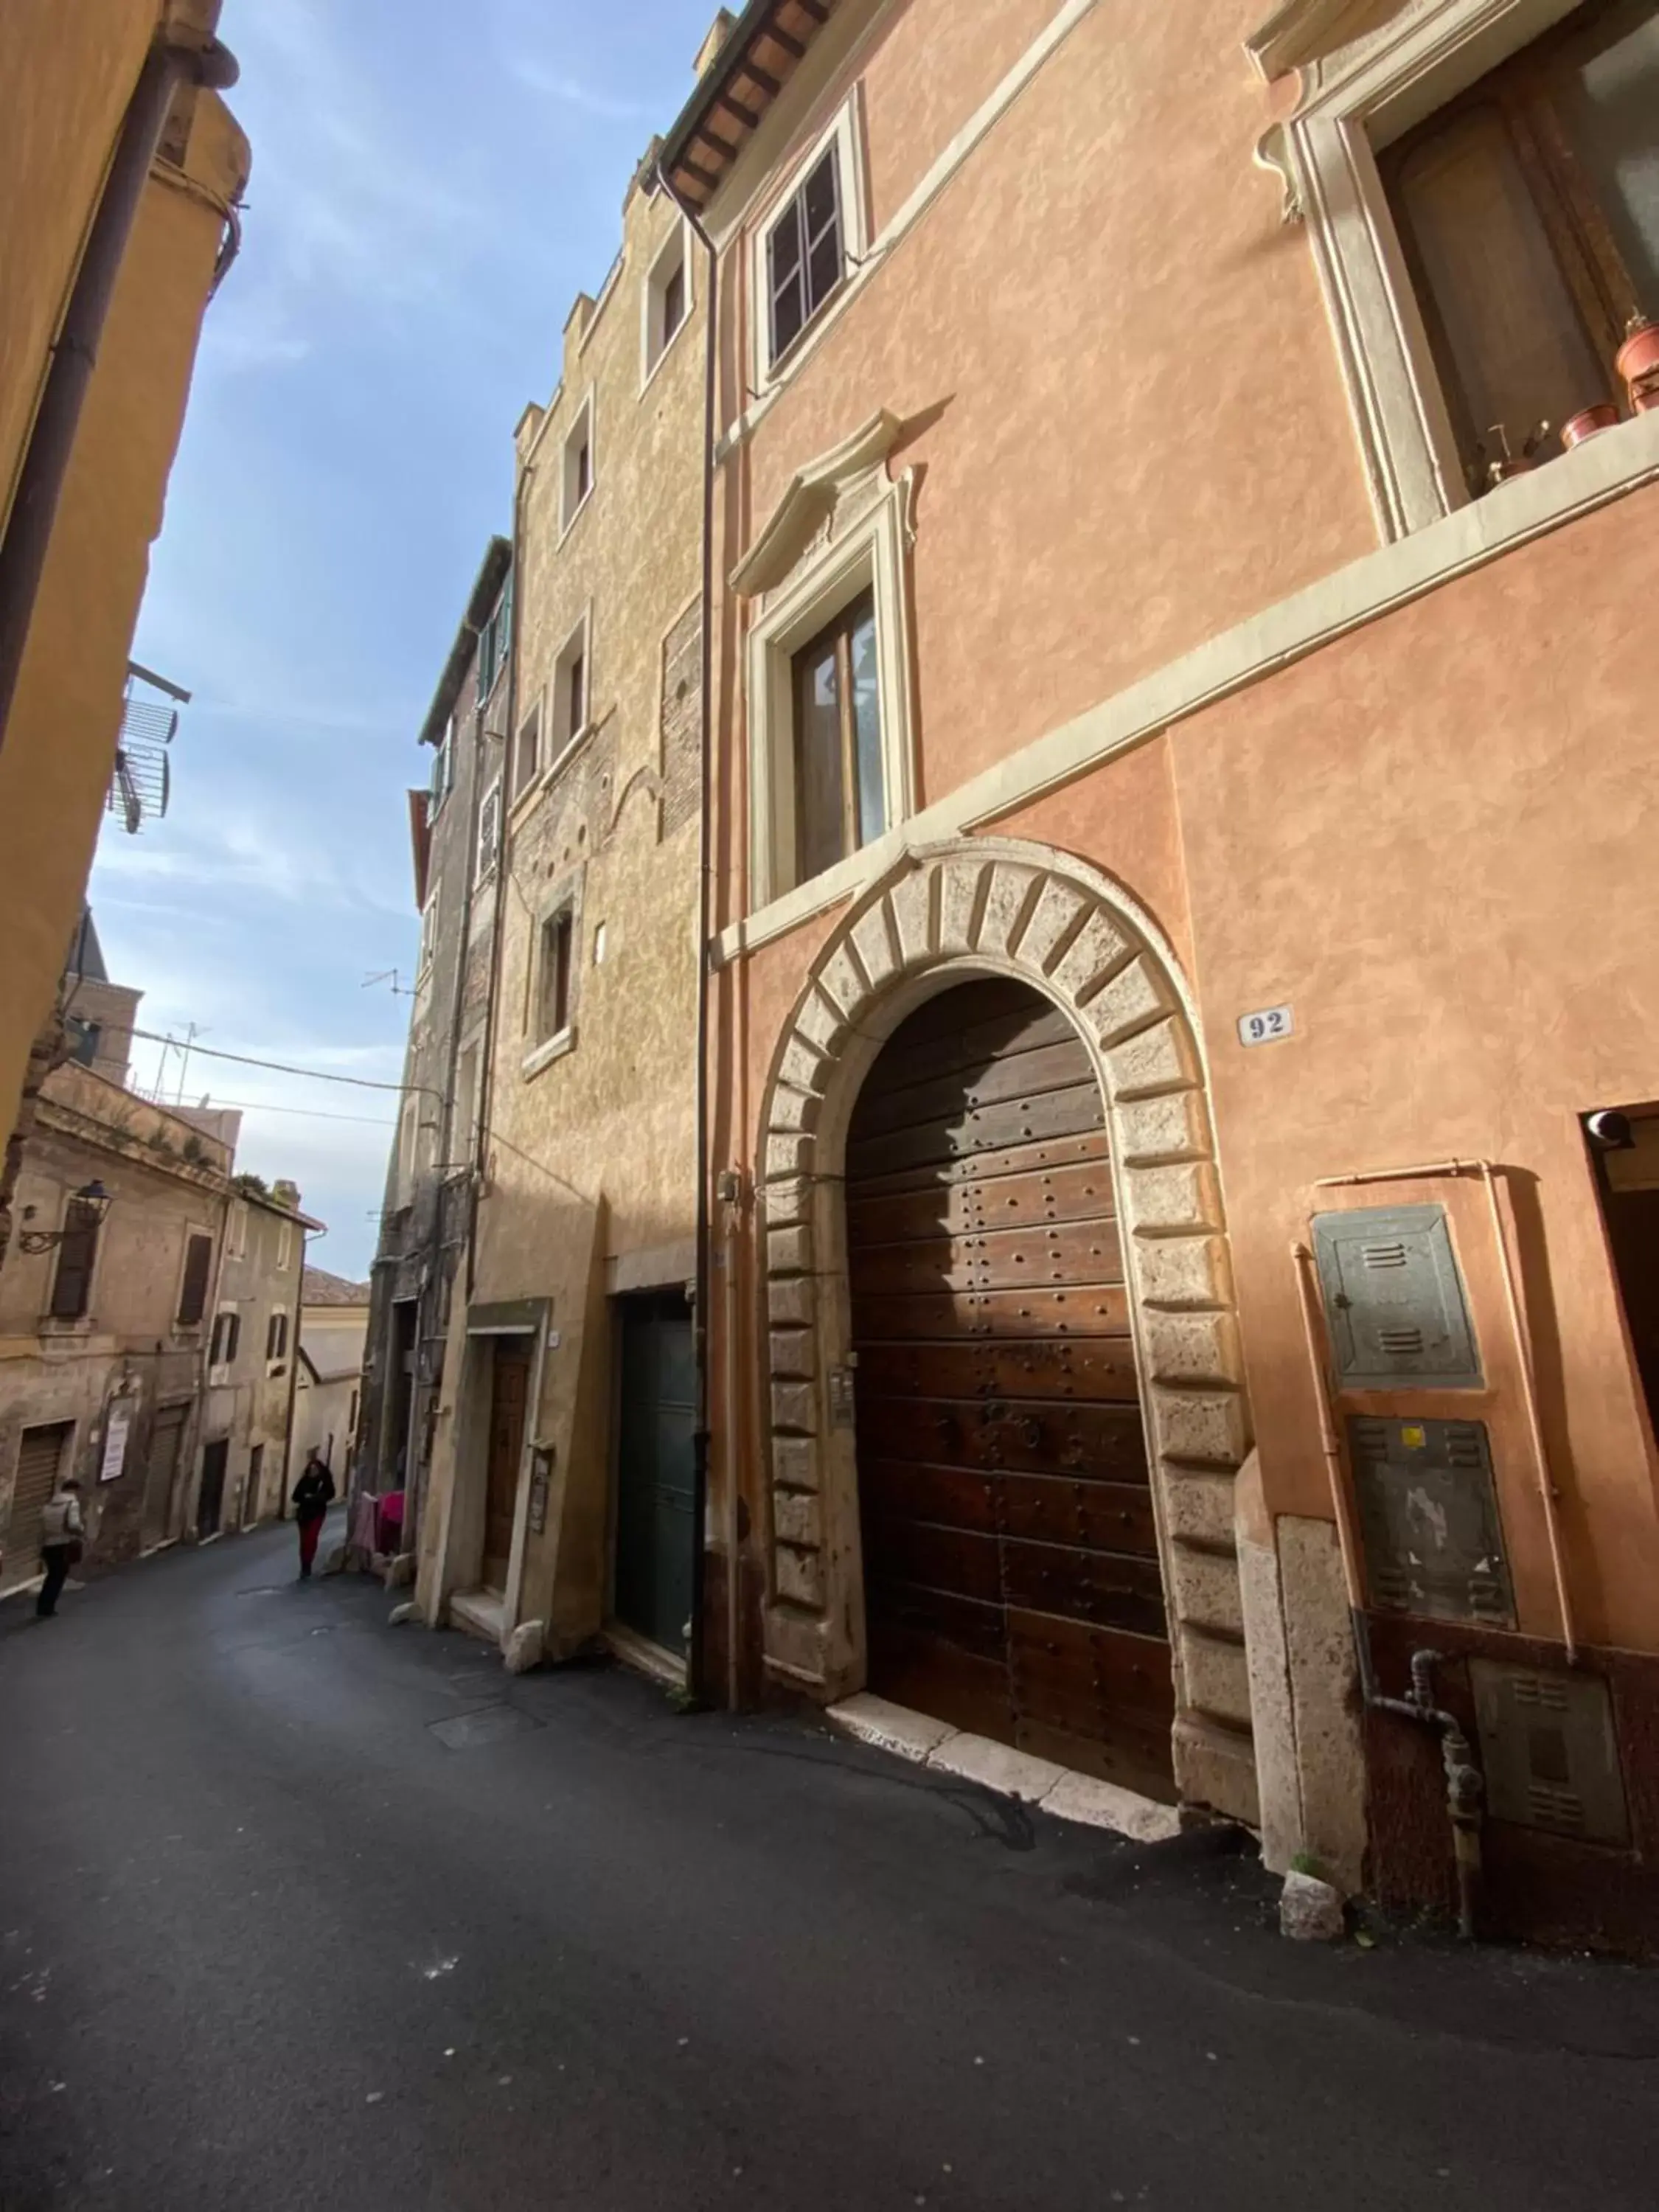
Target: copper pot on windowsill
1589,422
1637,362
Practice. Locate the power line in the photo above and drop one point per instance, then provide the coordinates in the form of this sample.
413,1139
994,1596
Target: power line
284,1067
310,1113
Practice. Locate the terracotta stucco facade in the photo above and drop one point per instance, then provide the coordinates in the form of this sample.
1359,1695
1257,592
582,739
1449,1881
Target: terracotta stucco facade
1172,672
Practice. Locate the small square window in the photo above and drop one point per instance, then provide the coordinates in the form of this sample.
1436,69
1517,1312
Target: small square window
527,752
578,464
553,978
840,793
805,257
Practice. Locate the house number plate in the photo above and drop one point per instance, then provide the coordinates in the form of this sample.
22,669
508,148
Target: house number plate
1266,1027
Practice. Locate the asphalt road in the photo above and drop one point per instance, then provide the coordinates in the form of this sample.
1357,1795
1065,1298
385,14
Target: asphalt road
299,1910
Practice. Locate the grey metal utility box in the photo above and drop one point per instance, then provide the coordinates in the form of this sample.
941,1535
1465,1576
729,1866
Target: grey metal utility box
1428,1517
1394,1303
1550,1751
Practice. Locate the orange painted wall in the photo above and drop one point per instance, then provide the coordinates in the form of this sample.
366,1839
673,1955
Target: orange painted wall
1107,350
1436,839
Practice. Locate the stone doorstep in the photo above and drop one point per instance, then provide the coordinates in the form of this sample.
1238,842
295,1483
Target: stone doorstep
480,1613
645,1657
1055,1790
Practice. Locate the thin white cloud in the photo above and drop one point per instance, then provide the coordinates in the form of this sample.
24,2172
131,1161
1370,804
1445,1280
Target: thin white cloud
570,92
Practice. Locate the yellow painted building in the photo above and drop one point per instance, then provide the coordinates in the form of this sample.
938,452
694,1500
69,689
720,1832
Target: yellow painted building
120,171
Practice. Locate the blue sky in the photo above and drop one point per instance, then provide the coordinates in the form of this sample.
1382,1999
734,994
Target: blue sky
431,187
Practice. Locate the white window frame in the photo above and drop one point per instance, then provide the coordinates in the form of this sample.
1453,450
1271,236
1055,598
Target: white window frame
284,1246
843,132
219,1370
236,1230
655,347
487,850
571,505
871,553
429,919
1356,99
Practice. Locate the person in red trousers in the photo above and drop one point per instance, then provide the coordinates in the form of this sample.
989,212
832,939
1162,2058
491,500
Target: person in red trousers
313,1493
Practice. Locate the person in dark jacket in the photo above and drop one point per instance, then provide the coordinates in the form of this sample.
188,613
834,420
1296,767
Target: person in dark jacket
63,1527
313,1493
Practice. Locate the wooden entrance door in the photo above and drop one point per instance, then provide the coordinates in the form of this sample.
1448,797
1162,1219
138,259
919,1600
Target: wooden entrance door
211,1499
160,1473
509,1397
656,1471
1011,1580
39,1462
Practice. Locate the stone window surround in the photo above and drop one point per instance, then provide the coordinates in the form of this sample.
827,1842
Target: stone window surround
845,132
564,897
483,868
1355,99
854,524
581,423
999,907
679,239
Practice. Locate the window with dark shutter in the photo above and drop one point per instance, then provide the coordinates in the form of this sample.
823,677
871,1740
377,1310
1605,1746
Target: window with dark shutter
277,1336
192,1295
71,1287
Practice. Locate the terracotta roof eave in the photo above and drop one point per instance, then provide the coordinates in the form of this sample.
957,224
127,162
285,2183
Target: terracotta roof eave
756,26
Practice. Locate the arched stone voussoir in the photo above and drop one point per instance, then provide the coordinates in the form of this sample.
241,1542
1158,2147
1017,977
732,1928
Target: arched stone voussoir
1005,906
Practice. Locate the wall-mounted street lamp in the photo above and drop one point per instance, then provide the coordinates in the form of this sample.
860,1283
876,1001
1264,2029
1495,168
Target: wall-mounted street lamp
93,1202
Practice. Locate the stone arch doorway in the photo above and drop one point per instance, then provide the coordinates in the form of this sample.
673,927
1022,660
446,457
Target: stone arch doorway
1010,1551
997,908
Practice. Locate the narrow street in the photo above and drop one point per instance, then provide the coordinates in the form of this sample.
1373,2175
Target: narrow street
303,1911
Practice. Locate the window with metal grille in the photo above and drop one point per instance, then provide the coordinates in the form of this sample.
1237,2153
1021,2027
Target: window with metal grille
840,799
489,830
804,257
77,1255
1527,210
192,1291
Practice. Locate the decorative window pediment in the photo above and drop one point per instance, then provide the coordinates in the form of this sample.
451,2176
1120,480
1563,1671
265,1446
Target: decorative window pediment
1304,31
810,502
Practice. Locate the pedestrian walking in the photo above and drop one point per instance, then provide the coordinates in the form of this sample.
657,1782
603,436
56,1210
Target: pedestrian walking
313,1493
63,1528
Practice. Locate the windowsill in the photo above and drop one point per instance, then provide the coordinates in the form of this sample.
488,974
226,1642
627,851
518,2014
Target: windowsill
680,328
66,1325
577,512
1604,469
525,804
562,1042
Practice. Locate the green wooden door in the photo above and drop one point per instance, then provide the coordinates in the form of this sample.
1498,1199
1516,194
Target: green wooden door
656,1482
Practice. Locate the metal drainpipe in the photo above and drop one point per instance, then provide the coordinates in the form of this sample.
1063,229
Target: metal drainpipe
1465,1789
75,351
700,1508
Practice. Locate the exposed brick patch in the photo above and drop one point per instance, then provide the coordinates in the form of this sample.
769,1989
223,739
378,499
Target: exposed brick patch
682,722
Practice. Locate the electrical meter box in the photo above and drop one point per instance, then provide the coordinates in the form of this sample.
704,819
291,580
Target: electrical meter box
1549,1751
1428,1518
1394,1306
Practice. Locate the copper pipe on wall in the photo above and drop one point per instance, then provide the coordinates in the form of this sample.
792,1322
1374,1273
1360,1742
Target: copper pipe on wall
1548,1492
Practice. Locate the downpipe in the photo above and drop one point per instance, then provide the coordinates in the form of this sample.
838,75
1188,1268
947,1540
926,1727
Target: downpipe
1465,1786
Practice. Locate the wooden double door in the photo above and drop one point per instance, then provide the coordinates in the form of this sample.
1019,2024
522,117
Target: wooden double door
1010,1568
